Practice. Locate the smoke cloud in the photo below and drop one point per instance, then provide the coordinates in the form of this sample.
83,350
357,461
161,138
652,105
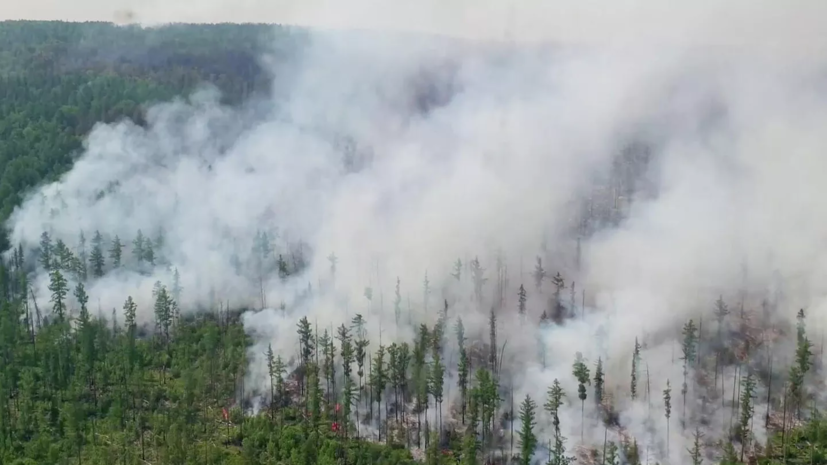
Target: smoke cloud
402,153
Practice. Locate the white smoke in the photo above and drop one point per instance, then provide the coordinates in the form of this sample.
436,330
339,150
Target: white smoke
492,161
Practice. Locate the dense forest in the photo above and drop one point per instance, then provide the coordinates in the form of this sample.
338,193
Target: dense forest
57,80
85,384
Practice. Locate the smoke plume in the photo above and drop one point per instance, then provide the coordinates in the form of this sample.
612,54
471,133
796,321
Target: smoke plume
401,153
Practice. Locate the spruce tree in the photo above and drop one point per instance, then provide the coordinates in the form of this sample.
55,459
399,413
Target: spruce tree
528,440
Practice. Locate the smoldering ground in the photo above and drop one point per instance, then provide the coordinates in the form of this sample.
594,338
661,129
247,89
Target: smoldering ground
402,154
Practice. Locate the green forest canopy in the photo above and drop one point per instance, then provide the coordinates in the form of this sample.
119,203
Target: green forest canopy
58,79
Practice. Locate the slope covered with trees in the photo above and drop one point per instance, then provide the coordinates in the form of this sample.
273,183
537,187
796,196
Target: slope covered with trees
57,80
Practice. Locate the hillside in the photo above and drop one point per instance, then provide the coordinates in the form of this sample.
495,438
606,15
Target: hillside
57,80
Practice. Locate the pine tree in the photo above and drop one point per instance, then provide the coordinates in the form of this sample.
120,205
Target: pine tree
581,372
632,452
64,256
314,396
334,260
149,252
378,381
398,371
58,287
397,302
345,349
539,274
799,369
271,371
667,404
158,248
426,292
599,382
635,361
479,279
307,348
176,285
138,247
492,333
281,268
329,365
129,311
747,410
689,349
557,310
82,259
521,298
696,452
96,260
115,252
612,457
528,440
357,324
721,311
83,299
457,274
349,396
470,447
436,382
463,368
46,256
554,401
800,326
163,313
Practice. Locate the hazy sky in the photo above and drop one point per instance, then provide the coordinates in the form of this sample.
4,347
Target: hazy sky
766,23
